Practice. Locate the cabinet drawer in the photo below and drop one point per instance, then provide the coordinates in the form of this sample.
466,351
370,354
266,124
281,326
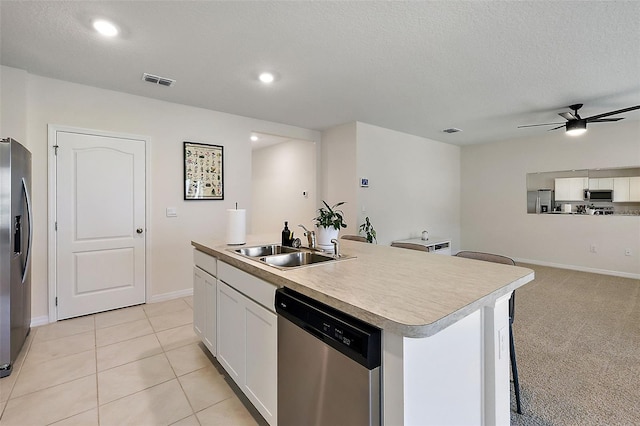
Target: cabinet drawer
205,262
254,288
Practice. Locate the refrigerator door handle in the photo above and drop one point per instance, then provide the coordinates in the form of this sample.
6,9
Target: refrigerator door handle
29,240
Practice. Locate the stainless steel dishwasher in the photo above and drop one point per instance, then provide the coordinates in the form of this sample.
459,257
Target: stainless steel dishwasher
328,365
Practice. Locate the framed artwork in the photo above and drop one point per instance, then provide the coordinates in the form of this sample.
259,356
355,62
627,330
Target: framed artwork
203,177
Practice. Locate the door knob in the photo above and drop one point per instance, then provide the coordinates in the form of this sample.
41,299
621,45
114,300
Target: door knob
139,230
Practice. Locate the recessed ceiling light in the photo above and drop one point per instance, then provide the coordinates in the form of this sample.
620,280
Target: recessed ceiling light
266,77
105,28
254,138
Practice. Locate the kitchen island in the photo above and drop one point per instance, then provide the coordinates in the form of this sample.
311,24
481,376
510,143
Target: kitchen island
444,323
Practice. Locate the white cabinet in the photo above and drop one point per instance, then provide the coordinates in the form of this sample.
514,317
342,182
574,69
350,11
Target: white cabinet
570,189
634,188
231,331
248,337
261,372
204,299
601,183
621,189
626,189
204,308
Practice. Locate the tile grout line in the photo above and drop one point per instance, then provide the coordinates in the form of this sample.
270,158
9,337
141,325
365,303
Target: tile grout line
95,345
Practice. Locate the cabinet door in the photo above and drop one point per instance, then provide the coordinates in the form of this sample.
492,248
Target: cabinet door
261,376
634,188
563,189
199,319
570,189
578,185
605,183
231,332
210,317
621,189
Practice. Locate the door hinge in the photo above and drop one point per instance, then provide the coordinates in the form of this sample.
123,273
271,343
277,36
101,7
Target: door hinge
55,225
56,300
55,147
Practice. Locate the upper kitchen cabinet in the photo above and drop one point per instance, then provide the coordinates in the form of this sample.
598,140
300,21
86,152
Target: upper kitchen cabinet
600,183
626,189
621,189
570,189
634,188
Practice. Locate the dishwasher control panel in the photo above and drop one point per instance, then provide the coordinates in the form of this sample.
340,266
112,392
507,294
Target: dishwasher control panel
355,338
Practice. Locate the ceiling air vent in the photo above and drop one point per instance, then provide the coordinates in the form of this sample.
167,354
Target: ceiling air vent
155,79
452,130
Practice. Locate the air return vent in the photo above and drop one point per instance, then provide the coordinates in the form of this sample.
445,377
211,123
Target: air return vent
155,79
452,130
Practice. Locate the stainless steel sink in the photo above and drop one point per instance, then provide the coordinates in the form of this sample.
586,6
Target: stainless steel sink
284,258
268,250
291,260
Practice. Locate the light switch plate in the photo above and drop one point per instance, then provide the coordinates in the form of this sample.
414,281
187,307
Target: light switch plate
172,212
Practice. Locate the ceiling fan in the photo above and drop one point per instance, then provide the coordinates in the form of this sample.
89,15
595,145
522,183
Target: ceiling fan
577,125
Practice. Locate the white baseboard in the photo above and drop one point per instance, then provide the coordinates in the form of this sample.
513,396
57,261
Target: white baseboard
580,268
44,319
38,321
171,295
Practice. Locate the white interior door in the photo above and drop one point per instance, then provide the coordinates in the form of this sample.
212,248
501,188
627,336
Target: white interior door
100,215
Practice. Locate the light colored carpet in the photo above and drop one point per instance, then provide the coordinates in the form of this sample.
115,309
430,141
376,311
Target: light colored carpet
577,338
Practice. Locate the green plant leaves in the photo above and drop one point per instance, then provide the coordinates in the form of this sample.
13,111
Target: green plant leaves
330,217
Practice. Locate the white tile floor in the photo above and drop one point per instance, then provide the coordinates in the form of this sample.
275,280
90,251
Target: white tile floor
142,365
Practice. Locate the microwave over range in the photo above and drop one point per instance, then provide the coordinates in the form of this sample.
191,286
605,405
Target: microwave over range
598,195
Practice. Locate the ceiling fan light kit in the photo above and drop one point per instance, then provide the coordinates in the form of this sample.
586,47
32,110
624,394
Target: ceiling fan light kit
577,125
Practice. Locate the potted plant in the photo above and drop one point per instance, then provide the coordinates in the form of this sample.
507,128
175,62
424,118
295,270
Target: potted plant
367,228
329,221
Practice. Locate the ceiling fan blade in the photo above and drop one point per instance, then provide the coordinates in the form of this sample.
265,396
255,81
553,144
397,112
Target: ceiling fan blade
604,120
606,114
568,116
556,128
536,125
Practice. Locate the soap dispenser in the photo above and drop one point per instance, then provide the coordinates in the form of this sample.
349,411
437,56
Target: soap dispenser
286,238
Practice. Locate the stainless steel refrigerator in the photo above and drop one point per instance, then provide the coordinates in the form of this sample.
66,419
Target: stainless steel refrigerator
540,201
15,251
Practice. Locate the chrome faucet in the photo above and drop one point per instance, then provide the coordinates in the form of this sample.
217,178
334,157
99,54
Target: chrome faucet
336,248
311,237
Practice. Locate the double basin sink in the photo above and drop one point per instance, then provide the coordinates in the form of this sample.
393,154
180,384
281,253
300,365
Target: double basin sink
283,257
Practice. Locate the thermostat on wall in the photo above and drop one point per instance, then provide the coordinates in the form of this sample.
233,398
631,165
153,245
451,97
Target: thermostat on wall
364,182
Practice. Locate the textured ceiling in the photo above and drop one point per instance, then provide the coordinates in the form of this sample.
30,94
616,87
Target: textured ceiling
418,67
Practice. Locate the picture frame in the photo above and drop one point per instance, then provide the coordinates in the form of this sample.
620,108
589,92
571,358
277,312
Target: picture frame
203,171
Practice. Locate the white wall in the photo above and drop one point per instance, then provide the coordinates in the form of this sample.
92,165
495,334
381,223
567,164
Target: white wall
13,104
494,217
414,185
338,172
280,175
167,125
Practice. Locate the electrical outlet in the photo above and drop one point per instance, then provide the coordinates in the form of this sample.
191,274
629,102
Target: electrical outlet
627,252
593,248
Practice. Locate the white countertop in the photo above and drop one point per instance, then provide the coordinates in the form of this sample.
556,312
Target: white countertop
408,292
